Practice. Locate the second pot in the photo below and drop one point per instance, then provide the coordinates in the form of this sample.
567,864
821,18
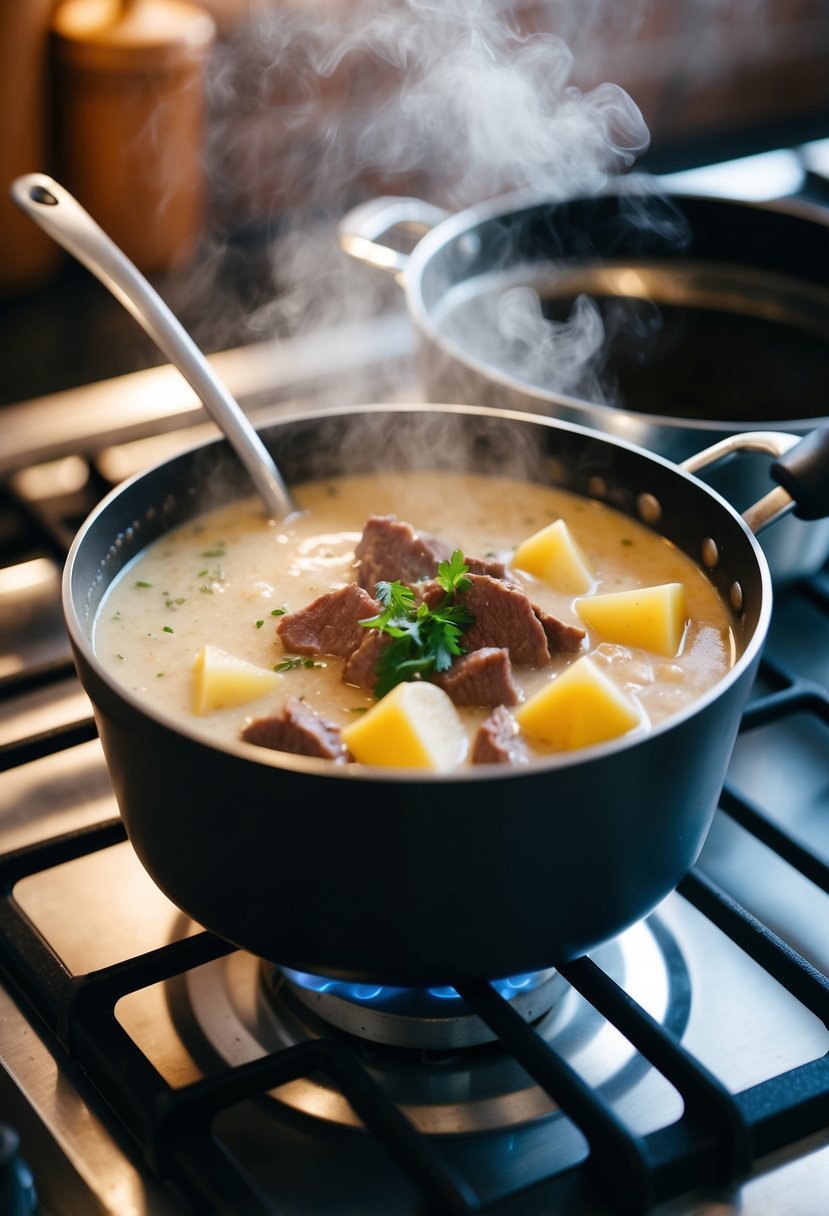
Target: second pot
671,321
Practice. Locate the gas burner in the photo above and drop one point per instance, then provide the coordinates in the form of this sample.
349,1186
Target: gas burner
237,1009
432,1019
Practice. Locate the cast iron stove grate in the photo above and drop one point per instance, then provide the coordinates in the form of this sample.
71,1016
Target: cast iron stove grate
715,1142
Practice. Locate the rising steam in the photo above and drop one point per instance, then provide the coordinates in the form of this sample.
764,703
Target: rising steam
318,106
449,91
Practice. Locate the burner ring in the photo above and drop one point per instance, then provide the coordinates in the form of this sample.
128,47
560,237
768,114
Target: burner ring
231,1011
404,1017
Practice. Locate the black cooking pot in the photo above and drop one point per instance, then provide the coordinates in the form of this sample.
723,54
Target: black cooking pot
411,877
669,320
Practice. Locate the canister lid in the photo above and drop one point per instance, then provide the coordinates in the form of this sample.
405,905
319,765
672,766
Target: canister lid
119,35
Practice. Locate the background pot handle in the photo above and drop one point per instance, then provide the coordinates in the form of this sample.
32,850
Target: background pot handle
361,230
801,467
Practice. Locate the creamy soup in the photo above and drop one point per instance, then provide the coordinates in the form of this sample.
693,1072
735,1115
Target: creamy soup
226,578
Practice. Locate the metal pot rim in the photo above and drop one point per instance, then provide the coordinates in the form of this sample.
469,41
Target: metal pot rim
614,419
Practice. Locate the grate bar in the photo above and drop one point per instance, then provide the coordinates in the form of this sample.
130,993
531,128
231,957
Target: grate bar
26,959
44,854
618,1162
788,1108
803,858
705,1097
46,743
80,1011
89,996
183,1110
54,539
32,679
788,967
802,697
208,1171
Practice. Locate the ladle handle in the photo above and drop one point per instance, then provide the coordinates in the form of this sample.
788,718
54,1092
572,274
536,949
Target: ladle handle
60,215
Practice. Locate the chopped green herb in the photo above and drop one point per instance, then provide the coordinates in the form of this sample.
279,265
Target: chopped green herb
296,660
202,573
205,590
159,675
626,540
168,629
219,551
452,574
142,583
279,611
259,624
422,639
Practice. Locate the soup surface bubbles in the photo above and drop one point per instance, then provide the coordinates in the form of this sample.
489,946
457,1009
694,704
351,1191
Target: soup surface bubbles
225,578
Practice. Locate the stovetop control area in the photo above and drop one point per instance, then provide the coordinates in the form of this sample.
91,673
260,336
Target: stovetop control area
149,1069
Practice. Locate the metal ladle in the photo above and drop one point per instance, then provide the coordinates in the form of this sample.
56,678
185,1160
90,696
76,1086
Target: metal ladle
64,219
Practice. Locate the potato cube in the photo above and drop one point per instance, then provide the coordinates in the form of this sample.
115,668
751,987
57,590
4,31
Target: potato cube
653,618
579,707
553,556
221,680
413,726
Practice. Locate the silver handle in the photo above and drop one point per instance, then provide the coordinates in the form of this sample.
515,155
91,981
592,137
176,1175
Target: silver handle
362,229
772,506
61,216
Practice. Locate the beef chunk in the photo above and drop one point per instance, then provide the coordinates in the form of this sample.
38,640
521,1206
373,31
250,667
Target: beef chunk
498,741
390,549
561,637
479,565
429,593
503,617
330,624
483,677
360,666
297,729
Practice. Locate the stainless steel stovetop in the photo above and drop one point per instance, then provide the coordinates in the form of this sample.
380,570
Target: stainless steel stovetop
152,1071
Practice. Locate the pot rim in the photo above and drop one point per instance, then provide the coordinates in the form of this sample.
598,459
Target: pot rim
612,418
81,640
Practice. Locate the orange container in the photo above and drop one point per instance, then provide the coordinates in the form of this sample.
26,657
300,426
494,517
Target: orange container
27,255
130,119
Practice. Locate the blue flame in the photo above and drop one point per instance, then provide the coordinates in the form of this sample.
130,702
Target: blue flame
375,994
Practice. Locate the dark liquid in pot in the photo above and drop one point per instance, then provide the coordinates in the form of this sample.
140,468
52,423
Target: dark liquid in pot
704,363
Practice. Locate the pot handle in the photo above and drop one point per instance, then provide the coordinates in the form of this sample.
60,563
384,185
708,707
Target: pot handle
361,230
800,467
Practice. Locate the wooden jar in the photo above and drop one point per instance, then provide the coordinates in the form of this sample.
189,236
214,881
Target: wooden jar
27,255
130,120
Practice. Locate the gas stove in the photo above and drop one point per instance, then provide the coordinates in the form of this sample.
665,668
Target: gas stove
150,1068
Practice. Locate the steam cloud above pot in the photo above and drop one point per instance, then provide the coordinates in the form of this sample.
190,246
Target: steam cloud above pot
318,105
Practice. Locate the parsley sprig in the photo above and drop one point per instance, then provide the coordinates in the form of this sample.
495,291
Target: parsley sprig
423,639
